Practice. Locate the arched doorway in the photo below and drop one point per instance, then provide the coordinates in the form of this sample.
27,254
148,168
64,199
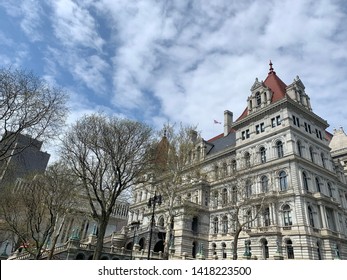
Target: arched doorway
129,246
159,246
142,243
80,256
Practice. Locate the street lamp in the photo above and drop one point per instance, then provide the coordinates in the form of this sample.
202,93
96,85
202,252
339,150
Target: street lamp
134,225
152,202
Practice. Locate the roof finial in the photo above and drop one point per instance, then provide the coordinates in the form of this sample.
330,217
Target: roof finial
271,70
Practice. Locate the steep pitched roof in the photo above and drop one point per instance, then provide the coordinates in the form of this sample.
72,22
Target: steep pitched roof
275,84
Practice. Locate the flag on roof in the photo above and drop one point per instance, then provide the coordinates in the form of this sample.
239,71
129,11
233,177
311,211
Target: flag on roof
217,122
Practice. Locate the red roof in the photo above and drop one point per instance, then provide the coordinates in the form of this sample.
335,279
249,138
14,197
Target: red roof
275,84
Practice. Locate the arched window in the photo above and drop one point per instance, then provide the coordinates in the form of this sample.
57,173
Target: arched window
216,172
161,221
258,98
310,216
247,159
264,181
266,216
262,151
305,181
265,249
225,169
318,184
330,190
323,159
233,165
248,190
311,154
279,147
298,144
234,195
224,196
215,199
215,225
283,181
195,222
287,215
198,153
224,253
225,224
290,250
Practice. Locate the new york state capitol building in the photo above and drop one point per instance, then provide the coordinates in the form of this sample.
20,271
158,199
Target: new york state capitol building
298,173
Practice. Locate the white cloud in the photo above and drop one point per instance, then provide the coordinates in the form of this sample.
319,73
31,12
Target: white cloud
75,26
197,59
29,12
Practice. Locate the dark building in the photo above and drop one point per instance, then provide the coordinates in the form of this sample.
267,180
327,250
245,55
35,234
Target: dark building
24,157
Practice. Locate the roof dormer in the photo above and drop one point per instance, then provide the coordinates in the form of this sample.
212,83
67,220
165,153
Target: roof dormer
261,96
296,91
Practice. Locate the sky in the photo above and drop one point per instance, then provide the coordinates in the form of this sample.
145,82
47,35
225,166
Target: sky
159,61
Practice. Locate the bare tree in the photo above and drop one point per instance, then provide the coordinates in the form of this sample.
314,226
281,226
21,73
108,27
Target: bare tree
172,166
244,206
31,208
28,105
108,155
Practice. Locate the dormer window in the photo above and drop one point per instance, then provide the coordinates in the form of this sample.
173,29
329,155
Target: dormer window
258,98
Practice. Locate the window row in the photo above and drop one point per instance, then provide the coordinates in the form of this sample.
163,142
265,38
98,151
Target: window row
276,121
264,248
253,218
316,185
307,126
312,155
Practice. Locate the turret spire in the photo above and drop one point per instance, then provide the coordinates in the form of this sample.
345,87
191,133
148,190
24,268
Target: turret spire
271,70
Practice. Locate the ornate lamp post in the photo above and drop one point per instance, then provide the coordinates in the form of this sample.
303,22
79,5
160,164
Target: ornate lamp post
152,202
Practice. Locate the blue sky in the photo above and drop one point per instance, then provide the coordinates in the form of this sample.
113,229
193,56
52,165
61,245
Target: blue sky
159,61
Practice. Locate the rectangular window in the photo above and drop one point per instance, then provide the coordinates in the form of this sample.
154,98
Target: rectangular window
273,122
245,134
276,121
262,127
331,219
296,121
257,129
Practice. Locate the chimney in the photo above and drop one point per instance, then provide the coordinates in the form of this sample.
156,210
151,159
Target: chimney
228,120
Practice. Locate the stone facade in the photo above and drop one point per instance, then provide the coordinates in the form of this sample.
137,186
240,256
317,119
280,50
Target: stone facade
281,144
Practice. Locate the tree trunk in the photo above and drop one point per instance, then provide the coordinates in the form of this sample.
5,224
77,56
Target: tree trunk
100,239
235,243
167,242
55,239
